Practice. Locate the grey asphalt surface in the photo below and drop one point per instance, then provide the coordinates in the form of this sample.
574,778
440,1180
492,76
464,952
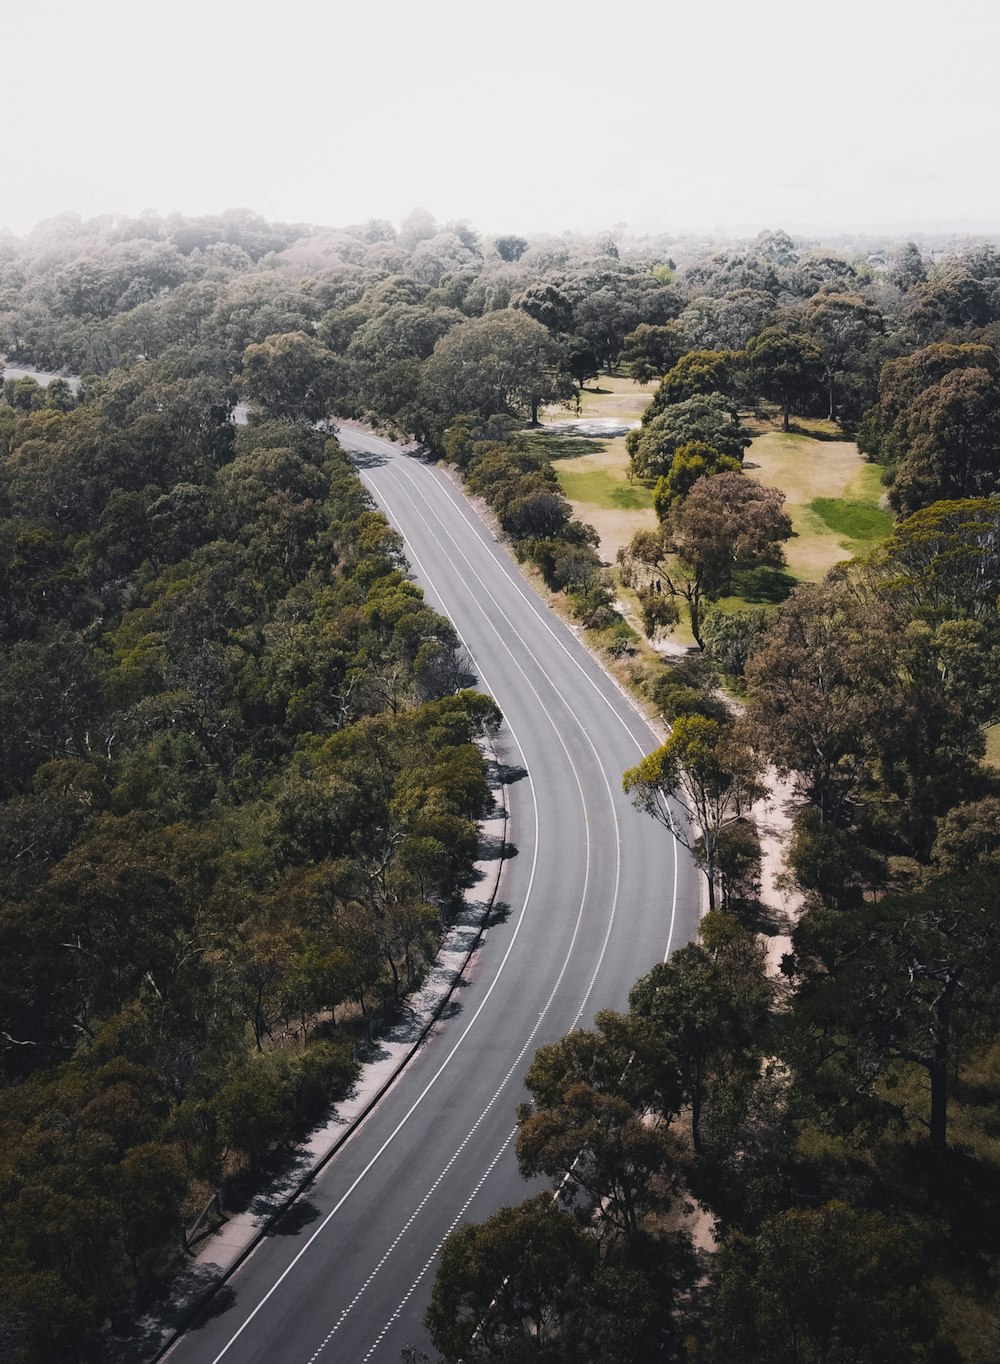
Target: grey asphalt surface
595,895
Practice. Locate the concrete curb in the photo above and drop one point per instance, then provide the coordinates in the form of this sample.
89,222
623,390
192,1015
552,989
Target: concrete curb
260,1233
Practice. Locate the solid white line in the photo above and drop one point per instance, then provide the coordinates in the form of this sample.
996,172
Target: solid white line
458,500
475,1016
607,934
397,468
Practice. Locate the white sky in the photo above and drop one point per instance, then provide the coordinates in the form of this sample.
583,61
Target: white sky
519,115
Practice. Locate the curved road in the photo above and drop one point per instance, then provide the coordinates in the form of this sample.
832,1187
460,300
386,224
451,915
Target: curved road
595,895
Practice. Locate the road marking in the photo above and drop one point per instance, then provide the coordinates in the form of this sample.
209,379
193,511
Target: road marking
322,1226
542,613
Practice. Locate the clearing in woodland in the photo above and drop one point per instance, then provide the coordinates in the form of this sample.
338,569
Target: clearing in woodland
832,495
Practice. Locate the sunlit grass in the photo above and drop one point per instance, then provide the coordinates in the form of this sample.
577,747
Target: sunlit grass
604,488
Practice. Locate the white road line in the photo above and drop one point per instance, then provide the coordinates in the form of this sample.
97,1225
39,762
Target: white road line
475,1016
540,610
614,814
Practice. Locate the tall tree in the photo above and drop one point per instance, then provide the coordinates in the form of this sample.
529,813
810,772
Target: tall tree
292,375
712,774
727,523
784,366
505,362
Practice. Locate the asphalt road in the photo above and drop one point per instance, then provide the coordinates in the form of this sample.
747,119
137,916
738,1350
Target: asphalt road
595,894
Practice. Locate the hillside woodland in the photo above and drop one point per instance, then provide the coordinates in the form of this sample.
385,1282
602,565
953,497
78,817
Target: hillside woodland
240,778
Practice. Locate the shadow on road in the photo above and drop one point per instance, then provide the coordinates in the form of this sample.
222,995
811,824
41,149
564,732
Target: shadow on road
368,459
300,1215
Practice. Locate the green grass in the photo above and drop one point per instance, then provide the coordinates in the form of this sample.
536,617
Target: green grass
602,488
858,521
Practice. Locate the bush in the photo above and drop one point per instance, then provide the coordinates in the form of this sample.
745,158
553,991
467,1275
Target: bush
686,688
830,861
730,639
621,639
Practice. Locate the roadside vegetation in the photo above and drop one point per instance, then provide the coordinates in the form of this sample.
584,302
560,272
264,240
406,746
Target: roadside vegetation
239,781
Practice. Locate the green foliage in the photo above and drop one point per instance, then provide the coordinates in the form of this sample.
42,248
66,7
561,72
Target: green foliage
690,462
823,1284
730,637
936,424
204,666
785,366
709,418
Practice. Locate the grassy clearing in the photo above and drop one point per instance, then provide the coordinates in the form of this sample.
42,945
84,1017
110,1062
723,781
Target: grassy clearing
612,395
858,521
831,494
592,471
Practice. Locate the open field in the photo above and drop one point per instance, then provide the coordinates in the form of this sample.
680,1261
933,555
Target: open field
592,470
831,494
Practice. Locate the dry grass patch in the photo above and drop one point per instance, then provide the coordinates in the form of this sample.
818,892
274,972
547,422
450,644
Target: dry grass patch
832,496
612,395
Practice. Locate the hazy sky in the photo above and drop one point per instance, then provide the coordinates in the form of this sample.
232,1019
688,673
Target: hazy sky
516,114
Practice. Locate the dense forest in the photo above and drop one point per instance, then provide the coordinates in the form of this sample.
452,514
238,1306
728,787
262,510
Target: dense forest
240,778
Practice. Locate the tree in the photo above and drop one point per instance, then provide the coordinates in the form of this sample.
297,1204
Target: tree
705,1009
596,1143
290,375
711,772
969,837
707,417
726,524
944,561
784,366
910,982
510,248
816,693
905,266
698,371
505,362
648,351
547,304
822,1286
726,323
690,462
949,297
953,438
505,1288
842,325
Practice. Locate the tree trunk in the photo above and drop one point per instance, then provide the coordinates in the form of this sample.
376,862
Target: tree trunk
832,406
696,1119
938,1069
694,607
710,876
786,412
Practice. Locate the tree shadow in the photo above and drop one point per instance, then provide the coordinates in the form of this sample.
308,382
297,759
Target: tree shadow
499,914
565,445
221,1302
764,585
493,848
367,459
509,773
796,430
300,1215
